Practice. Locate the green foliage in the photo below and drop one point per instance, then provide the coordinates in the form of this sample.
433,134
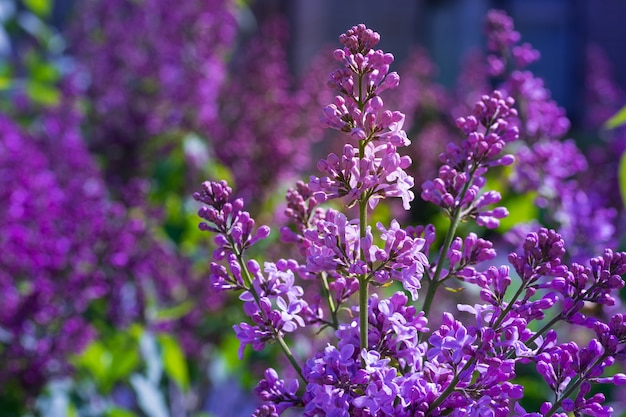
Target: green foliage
175,312
174,360
111,359
36,69
522,209
119,412
618,119
41,8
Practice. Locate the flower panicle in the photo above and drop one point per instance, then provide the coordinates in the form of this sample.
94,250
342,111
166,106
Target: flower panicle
461,177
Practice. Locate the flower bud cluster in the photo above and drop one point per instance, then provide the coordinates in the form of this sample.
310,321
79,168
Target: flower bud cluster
234,227
461,179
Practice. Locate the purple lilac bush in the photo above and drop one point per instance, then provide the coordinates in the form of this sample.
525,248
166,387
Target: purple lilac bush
71,258
385,357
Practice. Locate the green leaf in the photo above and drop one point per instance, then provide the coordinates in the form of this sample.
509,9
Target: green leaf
174,360
617,119
522,209
41,8
119,412
44,72
5,82
110,359
42,93
622,177
96,359
176,312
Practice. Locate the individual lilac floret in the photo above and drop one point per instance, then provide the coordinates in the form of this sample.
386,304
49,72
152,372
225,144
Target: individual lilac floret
460,179
451,342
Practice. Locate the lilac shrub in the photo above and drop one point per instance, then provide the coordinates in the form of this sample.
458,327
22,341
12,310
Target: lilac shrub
603,98
385,356
72,259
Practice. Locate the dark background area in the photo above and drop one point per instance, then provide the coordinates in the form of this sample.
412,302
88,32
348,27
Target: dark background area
559,29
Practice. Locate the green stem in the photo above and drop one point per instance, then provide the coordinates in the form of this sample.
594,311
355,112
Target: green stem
450,234
434,282
290,357
331,302
363,281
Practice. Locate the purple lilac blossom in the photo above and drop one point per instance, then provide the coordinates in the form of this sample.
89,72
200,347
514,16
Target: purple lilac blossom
460,179
271,300
603,96
373,170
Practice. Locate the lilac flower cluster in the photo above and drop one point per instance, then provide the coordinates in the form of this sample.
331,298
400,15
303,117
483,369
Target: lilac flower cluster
387,356
457,189
372,170
603,98
151,68
236,233
546,165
